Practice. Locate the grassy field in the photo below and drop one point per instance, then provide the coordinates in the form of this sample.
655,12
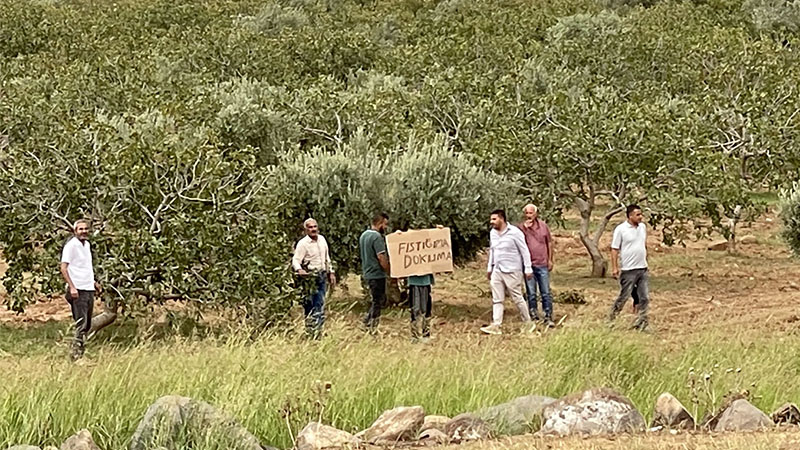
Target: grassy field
720,323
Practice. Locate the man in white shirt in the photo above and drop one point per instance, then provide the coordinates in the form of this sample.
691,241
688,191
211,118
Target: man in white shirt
312,261
628,247
77,271
508,258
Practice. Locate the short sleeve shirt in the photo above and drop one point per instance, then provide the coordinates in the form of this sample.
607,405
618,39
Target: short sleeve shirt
630,241
371,244
78,256
420,280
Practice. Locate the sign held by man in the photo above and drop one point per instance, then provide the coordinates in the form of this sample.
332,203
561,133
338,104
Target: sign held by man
420,252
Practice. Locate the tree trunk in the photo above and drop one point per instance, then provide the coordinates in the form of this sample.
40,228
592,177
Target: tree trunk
105,318
599,265
734,220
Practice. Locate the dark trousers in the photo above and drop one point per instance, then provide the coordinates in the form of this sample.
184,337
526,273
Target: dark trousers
82,315
314,306
628,280
377,291
419,301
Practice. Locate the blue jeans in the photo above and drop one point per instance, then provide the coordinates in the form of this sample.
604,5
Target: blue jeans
314,305
541,278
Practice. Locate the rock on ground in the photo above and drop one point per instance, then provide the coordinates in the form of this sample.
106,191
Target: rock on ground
743,416
787,414
172,416
749,239
316,436
519,416
398,424
434,436
24,447
434,423
82,440
718,246
467,427
596,411
671,414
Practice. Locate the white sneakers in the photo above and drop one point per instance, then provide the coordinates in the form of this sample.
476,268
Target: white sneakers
528,327
492,329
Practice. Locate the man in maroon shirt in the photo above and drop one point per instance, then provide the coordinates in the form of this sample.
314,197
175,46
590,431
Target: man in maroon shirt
540,245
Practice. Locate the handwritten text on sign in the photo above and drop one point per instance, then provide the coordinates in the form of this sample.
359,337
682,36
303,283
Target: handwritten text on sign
420,252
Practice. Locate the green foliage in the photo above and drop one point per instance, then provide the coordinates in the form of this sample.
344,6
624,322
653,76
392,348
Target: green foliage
420,186
774,16
174,215
790,215
110,108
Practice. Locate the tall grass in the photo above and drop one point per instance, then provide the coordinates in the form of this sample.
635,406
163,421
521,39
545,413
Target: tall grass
44,399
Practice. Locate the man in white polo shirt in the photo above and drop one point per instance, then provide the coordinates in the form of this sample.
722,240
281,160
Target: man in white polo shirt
76,268
628,247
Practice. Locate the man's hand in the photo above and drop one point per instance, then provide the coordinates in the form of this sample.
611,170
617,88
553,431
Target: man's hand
332,279
73,292
615,273
550,266
528,276
98,288
302,272
489,276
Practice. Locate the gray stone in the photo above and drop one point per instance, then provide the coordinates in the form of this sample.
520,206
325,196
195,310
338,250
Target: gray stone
592,412
519,416
467,427
24,447
398,424
172,416
316,436
718,246
434,423
433,435
749,239
671,414
82,440
787,414
743,416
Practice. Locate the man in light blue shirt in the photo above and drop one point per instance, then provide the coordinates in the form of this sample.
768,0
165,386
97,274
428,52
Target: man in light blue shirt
508,259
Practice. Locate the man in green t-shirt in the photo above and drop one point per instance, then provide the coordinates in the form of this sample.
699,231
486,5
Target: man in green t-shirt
374,267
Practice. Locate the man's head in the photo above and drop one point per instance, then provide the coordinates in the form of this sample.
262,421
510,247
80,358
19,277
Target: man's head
380,221
81,229
498,219
311,228
531,212
634,213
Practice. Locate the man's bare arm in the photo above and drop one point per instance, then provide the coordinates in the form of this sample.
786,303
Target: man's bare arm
615,262
73,291
383,260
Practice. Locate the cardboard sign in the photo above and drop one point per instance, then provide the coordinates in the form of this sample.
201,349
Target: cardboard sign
420,252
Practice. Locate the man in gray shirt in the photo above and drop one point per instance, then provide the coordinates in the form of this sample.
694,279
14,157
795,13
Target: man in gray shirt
628,247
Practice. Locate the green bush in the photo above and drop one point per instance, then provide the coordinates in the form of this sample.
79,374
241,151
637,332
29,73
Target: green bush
431,185
423,185
176,217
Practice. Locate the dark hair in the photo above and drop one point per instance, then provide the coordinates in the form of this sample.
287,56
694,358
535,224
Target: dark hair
630,209
378,218
500,213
